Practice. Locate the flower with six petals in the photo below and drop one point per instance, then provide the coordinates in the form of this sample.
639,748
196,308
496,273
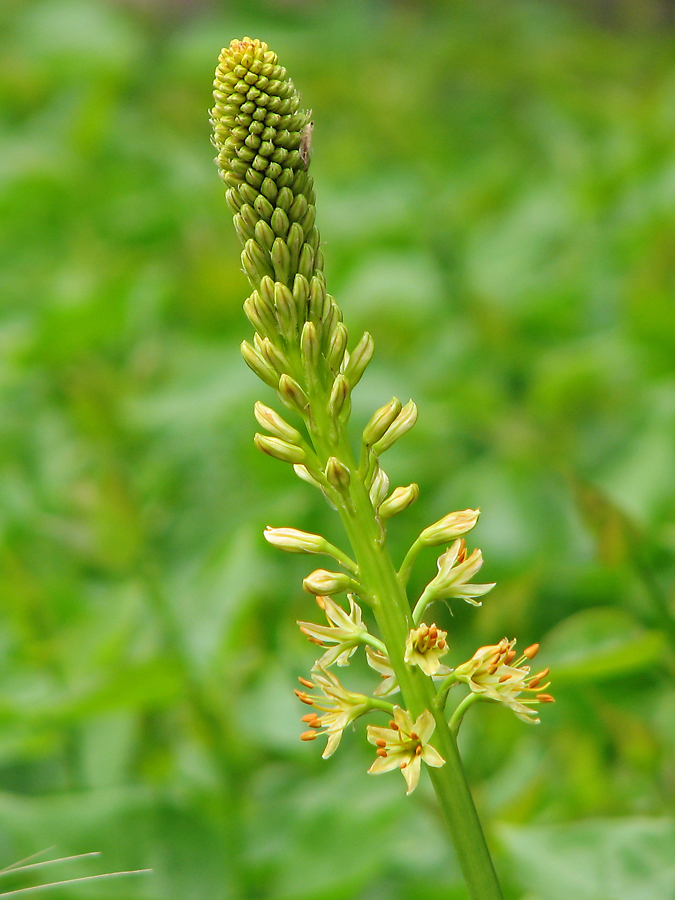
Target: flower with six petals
404,745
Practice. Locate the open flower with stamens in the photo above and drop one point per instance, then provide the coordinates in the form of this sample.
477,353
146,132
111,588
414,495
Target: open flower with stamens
424,647
404,745
345,630
494,672
455,570
338,705
382,664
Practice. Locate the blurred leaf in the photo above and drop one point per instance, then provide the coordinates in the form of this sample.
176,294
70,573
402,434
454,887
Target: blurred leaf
596,860
600,643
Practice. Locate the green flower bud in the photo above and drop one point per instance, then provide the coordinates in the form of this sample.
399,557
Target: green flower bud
403,422
380,421
337,474
278,427
257,364
310,347
271,354
448,528
321,582
292,395
359,359
338,395
294,541
401,498
279,449
337,347
379,487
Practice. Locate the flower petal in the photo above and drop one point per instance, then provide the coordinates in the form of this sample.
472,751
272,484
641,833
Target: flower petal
411,773
432,757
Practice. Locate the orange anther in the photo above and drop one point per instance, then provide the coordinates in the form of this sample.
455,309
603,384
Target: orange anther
380,743
321,601
504,678
382,752
414,737
418,750
545,698
309,735
531,651
393,725
305,682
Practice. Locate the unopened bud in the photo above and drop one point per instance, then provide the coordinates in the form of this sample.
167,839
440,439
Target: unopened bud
403,422
337,347
337,474
379,488
278,427
359,359
294,541
322,582
281,260
279,449
271,353
257,364
338,395
310,346
400,499
256,261
301,296
304,474
449,527
292,394
380,421
286,311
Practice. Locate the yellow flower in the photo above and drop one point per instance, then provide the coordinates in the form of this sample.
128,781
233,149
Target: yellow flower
455,569
345,630
496,674
404,745
381,663
338,705
424,647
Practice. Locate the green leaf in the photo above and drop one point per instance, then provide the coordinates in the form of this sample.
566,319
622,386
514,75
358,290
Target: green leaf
599,643
621,859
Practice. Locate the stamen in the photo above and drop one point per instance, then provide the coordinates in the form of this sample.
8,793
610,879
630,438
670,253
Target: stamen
393,725
545,698
321,601
531,651
413,736
380,743
511,655
418,750
381,752
504,678
310,717
301,695
309,735
306,683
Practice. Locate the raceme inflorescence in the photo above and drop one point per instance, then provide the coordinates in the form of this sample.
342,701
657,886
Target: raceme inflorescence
300,350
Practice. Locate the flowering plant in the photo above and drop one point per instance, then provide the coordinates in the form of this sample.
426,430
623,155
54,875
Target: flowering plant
300,350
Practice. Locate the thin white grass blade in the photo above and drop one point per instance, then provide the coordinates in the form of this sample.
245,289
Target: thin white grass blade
27,859
17,867
53,884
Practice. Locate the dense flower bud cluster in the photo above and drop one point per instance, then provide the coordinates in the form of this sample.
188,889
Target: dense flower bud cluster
263,141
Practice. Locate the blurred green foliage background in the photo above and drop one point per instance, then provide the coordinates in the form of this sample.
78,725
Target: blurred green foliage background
496,190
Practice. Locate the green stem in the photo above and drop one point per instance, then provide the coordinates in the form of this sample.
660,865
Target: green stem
458,715
426,598
392,613
408,562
